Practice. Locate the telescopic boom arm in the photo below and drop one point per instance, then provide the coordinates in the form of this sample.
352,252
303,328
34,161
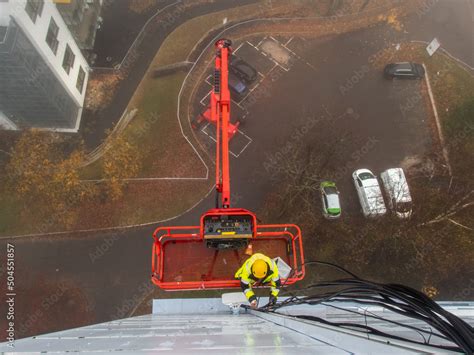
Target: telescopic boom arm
220,112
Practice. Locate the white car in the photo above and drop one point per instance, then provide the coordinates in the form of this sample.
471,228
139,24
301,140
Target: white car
397,192
370,195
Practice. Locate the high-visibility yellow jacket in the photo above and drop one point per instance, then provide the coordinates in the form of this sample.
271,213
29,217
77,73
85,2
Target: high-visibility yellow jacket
247,279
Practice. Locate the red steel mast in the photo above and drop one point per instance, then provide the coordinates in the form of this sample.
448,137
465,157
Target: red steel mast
220,113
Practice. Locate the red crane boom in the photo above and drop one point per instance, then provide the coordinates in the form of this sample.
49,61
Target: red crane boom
220,113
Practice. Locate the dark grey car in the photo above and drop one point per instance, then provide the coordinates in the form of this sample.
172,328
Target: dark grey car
405,70
242,69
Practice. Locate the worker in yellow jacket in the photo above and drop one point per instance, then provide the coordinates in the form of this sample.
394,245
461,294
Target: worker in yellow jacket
262,269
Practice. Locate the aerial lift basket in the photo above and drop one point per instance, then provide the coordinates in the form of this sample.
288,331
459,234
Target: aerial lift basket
182,260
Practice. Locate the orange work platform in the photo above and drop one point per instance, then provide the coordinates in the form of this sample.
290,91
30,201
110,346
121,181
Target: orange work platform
182,260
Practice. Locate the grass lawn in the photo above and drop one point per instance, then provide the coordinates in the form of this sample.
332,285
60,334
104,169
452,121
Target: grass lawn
9,213
156,132
453,89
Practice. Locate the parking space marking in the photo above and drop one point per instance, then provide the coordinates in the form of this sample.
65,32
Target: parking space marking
204,128
259,82
236,49
250,91
250,140
240,104
266,55
269,56
292,52
235,155
297,56
281,66
277,41
204,98
254,88
261,41
253,45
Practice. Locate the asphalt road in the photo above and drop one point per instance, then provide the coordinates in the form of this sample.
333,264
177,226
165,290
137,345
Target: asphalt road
120,28
85,278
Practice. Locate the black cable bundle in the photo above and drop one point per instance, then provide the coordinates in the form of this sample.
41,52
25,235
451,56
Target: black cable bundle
396,298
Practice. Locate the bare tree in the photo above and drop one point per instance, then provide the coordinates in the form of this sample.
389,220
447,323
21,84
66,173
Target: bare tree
424,251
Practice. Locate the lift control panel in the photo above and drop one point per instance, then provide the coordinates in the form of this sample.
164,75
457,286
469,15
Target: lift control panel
223,226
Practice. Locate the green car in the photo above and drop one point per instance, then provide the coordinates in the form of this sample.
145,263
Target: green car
330,200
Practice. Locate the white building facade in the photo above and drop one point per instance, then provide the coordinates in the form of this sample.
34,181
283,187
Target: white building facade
43,73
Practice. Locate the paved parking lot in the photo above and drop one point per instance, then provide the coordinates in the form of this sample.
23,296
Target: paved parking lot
321,92
270,58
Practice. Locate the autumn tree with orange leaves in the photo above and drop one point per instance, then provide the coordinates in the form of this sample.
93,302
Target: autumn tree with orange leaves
121,161
44,180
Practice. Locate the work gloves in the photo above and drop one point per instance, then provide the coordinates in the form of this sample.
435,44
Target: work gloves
272,301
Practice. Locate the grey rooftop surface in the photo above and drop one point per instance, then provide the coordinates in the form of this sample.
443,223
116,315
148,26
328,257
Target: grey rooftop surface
206,326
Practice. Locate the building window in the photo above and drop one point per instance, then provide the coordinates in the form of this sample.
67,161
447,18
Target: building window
34,8
52,36
80,79
68,61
